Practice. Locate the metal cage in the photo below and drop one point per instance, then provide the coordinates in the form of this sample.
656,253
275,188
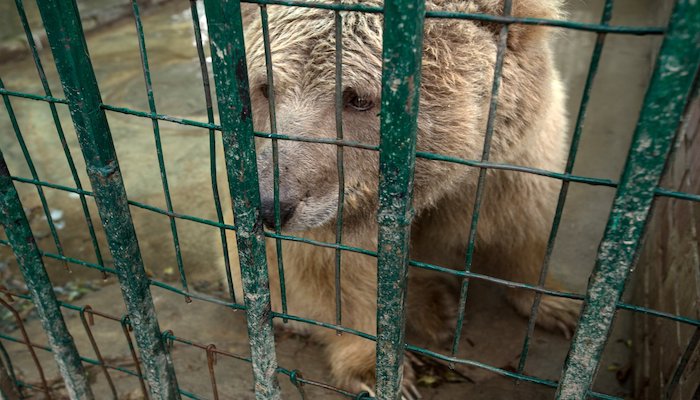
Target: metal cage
659,120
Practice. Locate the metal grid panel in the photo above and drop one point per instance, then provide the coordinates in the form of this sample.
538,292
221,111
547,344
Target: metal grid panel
674,73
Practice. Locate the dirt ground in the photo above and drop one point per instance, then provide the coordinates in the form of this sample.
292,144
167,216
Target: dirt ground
493,333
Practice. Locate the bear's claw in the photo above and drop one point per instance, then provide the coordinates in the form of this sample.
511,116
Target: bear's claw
409,391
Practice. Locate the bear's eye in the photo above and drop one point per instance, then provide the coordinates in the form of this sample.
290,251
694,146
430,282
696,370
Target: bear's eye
265,90
357,102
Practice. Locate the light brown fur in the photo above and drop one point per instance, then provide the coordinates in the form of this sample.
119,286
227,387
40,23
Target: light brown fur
456,81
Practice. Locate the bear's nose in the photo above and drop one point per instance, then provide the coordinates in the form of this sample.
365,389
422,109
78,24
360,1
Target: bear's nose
268,211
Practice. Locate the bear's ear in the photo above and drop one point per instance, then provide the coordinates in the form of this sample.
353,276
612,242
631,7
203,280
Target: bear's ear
519,35
249,13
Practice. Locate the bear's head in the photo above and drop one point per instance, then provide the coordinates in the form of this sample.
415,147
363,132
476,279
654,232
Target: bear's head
456,80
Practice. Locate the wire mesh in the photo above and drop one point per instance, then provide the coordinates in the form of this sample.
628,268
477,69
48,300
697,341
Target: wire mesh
266,351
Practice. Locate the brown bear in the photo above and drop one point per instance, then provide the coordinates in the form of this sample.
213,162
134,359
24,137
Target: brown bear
457,76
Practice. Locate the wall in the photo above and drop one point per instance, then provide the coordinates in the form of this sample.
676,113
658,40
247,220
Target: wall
668,277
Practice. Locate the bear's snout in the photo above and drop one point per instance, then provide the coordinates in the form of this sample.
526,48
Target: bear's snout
268,211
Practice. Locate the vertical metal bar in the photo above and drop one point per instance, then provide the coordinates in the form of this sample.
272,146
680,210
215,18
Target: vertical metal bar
65,34
231,77
481,182
31,265
660,117
59,132
403,41
212,145
573,149
159,147
33,172
275,154
682,364
339,162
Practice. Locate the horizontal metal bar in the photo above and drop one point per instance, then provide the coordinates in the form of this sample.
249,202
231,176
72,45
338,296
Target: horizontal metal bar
435,355
348,143
413,263
582,26
30,96
661,192
358,250
215,300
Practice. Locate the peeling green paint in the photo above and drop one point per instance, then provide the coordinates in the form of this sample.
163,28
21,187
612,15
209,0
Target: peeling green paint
403,34
67,41
20,236
661,115
231,77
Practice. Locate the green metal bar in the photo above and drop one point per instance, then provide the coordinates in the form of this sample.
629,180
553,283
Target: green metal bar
481,182
412,263
403,34
231,77
59,129
67,41
212,145
31,96
659,120
359,7
371,337
159,146
339,161
573,150
347,143
32,170
20,236
275,152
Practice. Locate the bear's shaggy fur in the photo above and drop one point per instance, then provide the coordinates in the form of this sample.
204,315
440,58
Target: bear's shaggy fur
457,73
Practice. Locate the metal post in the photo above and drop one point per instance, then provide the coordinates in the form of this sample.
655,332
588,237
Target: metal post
231,77
31,265
659,120
403,34
67,41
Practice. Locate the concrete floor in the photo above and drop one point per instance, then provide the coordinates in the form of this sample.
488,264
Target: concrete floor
615,103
